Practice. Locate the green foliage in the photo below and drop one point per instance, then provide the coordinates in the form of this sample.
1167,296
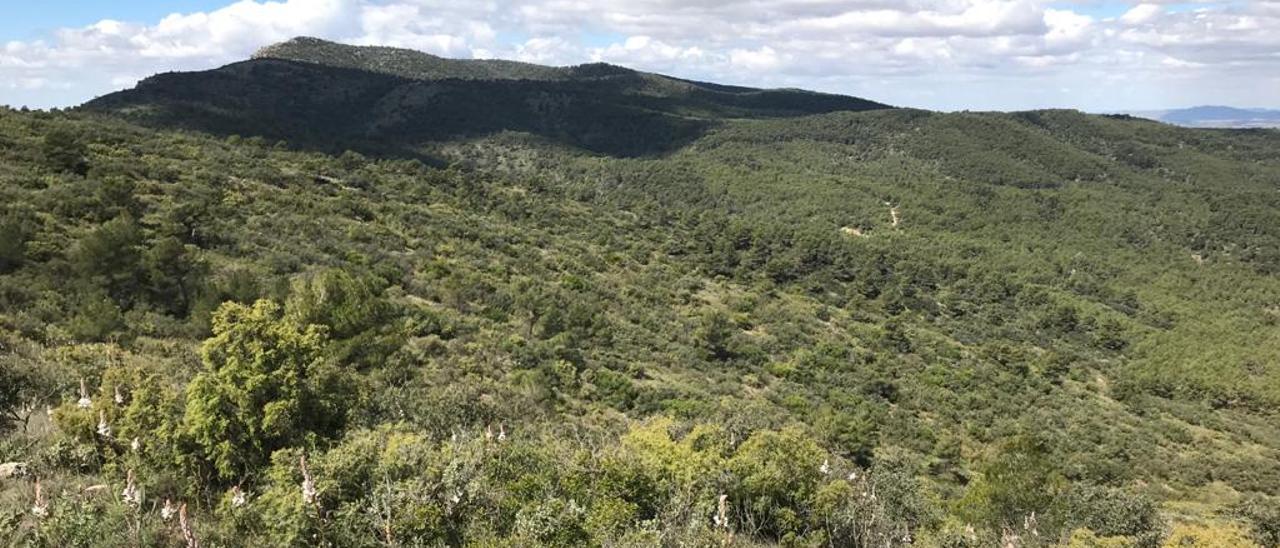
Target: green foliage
1262,514
692,462
717,335
13,388
347,305
175,274
885,506
1020,480
553,522
64,150
779,474
266,386
15,231
1084,538
110,258
98,318
1113,513
543,344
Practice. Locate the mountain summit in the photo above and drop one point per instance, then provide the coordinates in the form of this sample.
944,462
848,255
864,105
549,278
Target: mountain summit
418,65
315,92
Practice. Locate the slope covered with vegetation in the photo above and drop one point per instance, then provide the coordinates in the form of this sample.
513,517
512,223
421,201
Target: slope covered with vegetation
876,328
383,101
407,63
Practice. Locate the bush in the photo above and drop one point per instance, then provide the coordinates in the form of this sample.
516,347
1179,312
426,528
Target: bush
15,230
777,477
110,257
1019,480
63,150
1112,512
1263,516
13,387
266,386
346,304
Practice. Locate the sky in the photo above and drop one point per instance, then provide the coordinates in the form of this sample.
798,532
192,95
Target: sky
1093,55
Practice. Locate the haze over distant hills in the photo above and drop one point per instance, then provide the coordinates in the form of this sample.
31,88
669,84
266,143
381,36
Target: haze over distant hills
1215,117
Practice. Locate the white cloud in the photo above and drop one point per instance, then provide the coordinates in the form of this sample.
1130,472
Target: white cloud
978,18
763,59
1179,63
548,51
410,26
646,51
937,53
1067,29
1140,14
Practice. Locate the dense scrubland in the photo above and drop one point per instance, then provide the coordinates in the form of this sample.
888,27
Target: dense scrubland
877,328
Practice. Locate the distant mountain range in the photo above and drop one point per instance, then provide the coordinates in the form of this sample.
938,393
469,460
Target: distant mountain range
1215,117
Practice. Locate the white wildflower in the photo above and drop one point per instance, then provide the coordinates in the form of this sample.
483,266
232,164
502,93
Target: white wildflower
84,402
168,510
825,469
1008,539
39,508
308,484
131,495
238,497
187,533
722,513
853,476
136,444
104,429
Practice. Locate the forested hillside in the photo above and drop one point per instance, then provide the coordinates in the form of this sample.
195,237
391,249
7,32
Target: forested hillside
387,101
823,327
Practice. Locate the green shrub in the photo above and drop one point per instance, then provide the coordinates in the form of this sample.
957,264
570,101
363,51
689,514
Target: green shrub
776,477
266,386
1111,512
64,150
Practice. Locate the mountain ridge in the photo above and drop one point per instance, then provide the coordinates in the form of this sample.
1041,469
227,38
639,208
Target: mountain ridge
367,96
420,65
1216,116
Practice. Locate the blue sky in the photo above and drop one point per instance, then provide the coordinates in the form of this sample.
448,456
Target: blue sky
1097,55
29,20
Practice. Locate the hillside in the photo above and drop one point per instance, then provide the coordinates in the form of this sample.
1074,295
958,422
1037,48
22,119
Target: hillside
334,97
794,324
416,65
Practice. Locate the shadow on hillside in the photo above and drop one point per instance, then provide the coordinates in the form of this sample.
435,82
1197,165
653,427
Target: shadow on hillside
332,109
